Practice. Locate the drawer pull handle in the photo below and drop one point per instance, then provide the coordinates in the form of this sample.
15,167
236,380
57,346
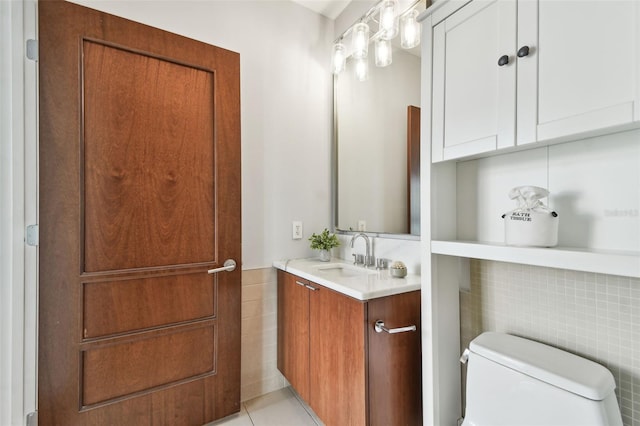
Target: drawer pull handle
299,283
504,60
379,327
310,287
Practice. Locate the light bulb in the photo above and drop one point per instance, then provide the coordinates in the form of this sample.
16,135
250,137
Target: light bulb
388,19
339,58
360,40
383,53
362,69
410,34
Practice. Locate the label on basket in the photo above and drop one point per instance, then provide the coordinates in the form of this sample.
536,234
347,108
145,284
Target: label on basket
524,216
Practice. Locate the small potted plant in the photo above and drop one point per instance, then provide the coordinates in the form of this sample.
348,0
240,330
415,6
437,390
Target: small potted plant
324,242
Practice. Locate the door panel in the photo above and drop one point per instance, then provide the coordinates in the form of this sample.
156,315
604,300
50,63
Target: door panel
132,366
146,203
585,79
139,197
114,307
396,362
293,331
474,98
337,354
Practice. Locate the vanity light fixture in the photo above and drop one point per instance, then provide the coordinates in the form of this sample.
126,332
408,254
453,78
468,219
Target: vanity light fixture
339,58
360,40
386,16
410,34
383,52
388,19
362,69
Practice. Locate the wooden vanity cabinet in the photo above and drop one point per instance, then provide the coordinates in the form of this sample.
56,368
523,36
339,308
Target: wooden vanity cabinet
348,373
293,331
395,361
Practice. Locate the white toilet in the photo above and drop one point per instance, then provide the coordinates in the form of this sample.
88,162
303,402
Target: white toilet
514,381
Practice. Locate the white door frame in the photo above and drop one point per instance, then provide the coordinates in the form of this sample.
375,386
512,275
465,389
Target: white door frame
18,208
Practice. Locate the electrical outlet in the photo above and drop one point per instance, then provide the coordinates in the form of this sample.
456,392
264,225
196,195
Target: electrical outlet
362,225
296,231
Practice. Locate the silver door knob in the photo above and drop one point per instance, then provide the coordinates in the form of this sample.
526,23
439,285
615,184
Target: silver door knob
228,266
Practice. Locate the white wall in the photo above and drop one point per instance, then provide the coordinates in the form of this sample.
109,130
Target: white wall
286,107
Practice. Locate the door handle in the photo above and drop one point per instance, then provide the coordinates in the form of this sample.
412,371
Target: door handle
379,327
228,266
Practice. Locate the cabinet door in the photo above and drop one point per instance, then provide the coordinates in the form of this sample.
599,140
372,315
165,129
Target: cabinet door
582,71
395,362
474,98
293,332
337,353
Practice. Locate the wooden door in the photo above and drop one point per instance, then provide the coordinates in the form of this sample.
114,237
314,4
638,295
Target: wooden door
139,197
581,72
293,331
413,169
395,362
337,369
474,97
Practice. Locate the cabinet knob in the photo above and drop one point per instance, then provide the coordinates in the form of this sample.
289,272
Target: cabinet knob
523,51
504,60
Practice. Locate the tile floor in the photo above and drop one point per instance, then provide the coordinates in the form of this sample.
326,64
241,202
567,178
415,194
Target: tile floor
279,408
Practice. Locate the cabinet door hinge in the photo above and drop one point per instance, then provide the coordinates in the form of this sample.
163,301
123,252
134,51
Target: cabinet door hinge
32,49
32,418
33,235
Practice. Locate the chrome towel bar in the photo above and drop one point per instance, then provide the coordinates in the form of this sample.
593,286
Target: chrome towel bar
379,327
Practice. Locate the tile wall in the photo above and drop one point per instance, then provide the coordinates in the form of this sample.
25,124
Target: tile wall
259,372
592,315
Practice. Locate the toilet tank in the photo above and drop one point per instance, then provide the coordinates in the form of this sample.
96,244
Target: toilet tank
513,381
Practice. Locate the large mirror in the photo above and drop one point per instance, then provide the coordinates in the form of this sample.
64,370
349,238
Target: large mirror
377,146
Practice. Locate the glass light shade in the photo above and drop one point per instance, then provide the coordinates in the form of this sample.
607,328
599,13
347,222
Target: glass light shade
383,53
410,30
388,19
360,40
362,69
339,58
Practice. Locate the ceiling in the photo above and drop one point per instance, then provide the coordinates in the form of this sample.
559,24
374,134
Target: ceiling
329,8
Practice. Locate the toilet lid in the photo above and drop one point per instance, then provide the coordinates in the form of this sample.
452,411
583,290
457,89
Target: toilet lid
546,363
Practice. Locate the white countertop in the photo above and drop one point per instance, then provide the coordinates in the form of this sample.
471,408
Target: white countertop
367,284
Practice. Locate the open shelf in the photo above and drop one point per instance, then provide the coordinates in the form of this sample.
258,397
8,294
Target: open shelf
622,263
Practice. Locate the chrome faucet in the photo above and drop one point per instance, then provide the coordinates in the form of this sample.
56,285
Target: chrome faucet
369,260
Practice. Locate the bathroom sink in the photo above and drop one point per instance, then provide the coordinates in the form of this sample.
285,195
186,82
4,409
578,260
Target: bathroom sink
343,270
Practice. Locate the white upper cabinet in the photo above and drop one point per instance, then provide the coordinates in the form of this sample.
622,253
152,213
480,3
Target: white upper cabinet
474,98
572,69
581,73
